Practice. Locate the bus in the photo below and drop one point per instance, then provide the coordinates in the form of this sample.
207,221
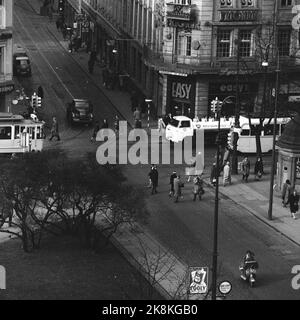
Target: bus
247,140
19,135
182,126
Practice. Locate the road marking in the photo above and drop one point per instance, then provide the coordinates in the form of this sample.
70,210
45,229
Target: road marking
45,59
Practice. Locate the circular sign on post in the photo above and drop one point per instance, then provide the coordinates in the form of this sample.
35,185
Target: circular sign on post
225,287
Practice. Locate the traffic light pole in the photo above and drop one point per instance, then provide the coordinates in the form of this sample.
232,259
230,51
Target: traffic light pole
216,214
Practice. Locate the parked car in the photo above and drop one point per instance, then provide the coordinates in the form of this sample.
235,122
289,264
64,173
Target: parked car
80,111
21,64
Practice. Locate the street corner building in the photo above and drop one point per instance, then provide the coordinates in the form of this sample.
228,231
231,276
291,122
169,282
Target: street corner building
184,53
6,53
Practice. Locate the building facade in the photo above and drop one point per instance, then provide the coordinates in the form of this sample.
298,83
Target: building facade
184,53
6,52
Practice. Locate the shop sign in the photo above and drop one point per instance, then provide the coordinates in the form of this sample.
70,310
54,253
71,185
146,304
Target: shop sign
238,15
7,88
181,90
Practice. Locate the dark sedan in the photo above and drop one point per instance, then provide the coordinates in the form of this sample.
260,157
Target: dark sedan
80,111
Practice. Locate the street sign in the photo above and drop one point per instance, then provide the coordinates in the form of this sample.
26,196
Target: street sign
198,280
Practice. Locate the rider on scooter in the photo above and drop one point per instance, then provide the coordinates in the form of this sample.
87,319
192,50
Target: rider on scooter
249,260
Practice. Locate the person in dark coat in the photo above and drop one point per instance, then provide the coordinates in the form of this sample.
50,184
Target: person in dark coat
95,131
178,185
172,177
245,169
258,169
40,92
104,124
105,75
153,175
134,101
294,203
54,130
286,191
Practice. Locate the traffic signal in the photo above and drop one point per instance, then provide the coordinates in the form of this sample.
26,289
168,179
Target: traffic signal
230,140
38,101
213,106
34,100
61,6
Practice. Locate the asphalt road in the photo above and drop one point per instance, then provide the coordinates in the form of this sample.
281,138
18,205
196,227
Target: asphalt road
187,227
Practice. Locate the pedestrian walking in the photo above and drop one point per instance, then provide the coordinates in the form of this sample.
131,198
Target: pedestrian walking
178,185
258,169
286,191
226,174
153,175
104,124
40,92
294,203
95,131
149,177
134,100
198,188
91,64
64,31
213,174
245,169
54,130
172,177
105,77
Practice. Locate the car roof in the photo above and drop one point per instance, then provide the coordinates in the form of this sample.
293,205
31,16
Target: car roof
182,118
81,103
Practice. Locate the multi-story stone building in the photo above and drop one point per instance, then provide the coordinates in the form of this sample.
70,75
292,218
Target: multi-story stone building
184,53
6,51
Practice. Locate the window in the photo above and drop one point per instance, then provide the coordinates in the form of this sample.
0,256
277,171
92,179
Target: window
223,43
185,2
245,43
225,3
185,124
284,38
184,44
5,133
247,3
286,3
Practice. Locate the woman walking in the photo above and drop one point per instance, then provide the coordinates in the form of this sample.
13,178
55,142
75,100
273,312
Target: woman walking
198,188
293,201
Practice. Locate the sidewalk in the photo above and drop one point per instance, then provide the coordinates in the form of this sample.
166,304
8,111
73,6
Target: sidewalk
120,99
254,197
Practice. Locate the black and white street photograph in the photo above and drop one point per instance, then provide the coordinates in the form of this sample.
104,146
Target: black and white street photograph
149,153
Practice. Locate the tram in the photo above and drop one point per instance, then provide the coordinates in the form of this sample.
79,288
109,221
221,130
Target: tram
19,135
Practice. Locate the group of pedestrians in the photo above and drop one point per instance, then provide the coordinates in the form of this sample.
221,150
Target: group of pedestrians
290,196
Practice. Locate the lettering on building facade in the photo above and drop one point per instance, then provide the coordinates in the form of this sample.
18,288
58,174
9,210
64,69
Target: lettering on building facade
238,15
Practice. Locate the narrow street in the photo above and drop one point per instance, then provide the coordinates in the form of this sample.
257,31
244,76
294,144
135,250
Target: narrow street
186,227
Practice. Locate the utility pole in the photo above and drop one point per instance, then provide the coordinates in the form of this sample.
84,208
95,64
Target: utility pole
270,211
237,104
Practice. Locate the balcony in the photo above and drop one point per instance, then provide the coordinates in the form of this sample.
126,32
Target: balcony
179,12
168,62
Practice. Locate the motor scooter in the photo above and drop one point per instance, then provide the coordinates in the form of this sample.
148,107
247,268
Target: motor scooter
248,272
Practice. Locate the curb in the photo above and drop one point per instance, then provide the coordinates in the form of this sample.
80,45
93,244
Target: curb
255,214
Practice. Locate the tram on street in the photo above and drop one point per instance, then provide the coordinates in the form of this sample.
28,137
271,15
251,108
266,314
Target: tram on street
19,135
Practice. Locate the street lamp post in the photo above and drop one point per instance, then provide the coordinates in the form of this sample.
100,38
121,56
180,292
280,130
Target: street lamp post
270,210
148,101
216,211
237,105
